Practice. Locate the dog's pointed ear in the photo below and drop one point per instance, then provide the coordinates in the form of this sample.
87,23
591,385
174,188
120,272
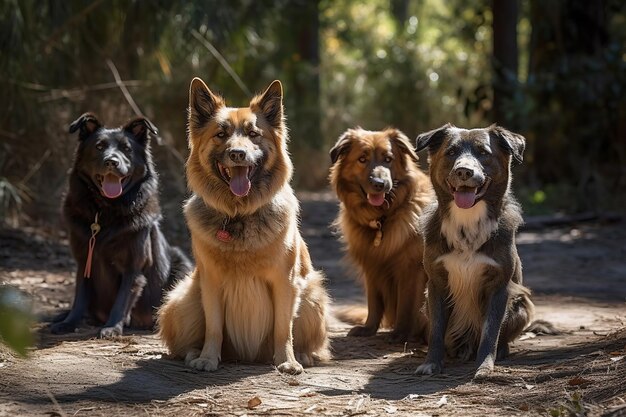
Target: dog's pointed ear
342,146
401,141
142,129
87,123
202,104
513,143
270,104
431,139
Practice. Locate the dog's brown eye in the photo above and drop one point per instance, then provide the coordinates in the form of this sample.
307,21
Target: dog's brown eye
362,159
253,134
99,146
221,135
388,159
127,148
451,152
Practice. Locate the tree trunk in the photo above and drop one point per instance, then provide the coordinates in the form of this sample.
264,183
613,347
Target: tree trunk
505,59
400,12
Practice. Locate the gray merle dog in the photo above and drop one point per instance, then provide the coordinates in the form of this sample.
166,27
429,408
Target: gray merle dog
476,301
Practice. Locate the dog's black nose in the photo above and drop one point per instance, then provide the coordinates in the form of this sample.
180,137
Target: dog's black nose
377,183
111,163
464,173
237,155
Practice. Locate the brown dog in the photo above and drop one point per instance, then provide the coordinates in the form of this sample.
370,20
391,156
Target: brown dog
382,192
476,299
254,295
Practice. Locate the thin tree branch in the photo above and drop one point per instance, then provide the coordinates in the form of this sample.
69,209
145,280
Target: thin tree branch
221,60
124,90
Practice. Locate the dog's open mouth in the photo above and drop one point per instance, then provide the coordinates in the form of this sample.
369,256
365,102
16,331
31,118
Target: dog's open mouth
237,178
466,197
111,185
376,199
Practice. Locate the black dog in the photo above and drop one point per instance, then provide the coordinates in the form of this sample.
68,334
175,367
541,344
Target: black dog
112,213
477,303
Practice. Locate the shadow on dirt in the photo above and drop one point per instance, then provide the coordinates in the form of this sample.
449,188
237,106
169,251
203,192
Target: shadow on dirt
396,380
155,380
163,379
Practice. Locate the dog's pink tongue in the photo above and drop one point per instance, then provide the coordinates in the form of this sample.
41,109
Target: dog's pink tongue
465,199
112,186
376,199
239,181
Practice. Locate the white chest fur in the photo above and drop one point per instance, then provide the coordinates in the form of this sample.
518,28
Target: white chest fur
465,231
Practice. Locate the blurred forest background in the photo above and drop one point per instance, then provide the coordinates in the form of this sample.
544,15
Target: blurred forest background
553,70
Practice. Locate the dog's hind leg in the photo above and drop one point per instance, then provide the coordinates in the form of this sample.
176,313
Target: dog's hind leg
310,327
180,320
410,323
518,315
180,267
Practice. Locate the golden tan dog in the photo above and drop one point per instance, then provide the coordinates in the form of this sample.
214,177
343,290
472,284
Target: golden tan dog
382,192
254,294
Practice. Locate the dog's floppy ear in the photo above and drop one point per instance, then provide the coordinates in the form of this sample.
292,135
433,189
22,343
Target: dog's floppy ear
87,123
512,142
402,142
141,128
342,146
432,139
270,104
202,104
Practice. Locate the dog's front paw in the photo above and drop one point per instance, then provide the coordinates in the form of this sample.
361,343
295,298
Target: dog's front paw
429,368
110,332
361,331
62,328
292,368
483,373
204,364
485,368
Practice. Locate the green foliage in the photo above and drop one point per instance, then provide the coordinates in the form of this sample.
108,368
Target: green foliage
342,63
573,407
15,319
414,75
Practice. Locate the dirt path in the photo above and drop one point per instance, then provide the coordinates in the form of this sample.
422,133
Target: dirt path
577,274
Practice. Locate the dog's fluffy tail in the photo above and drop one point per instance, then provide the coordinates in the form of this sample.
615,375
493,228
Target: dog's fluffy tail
355,314
180,267
542,327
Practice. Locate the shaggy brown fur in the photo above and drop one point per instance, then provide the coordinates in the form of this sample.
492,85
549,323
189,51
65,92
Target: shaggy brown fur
382,193
476,299
254,294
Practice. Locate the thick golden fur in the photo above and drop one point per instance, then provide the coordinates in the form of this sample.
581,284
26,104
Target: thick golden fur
257,296
394,277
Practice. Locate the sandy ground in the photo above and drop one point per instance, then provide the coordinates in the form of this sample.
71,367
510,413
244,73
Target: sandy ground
577,274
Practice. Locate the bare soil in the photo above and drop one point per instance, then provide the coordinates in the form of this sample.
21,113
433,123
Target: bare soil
577,274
